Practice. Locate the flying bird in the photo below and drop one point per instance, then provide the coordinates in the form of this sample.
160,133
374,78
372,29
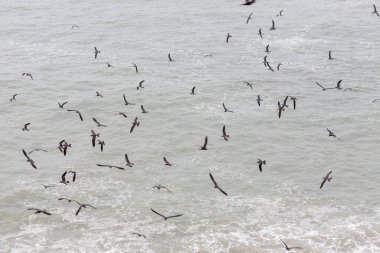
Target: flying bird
331,133
13,97
28,159
216,185
134,124
249,2
159,187
37,211
98,94
330,58
136,68
325,179
259,100
94,135
167,163
98,124
225,135
122,114
281,108
228,37
265,60
375,10
280,14
261,162
140,85
170,58
289,248
28,74
110,166
338,85
204,147
102,144
47,186
96,52
166,217
192,91
129,164
61,105
74,26
25,128
82,206
267,49
249,17
260,33
269,67
139,235
80,115
249,84
125,100
37,149
143,110
294,102
109,65
63,178
273,27
225,108
278,66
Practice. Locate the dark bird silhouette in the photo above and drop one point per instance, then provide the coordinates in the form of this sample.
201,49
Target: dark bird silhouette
136,68
98,124
13,97
109,65
289,248
225,135
281,108
98,94
280,14
326,178
225,108
375,10
170,58
129,164
166,217
330,58
260,33
37,149
267,49
204,147
338,85
80,115
249,2
37,211
28,74
249,84
63,178
216,185
278,66
249,17
273,27
192,91
102,144
140,85
82,206
331,133
126,102
29,160
134,124
167,163
139,235
110,166
143,110
159,187
294,102
96,52
74,175
269,66
265,61
72,27
376,100
122,114
68,200
25,128
259,100
228,37
61,105
261,162
323,88
94,135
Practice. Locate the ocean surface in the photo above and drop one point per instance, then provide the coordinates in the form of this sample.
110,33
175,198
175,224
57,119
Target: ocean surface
283,202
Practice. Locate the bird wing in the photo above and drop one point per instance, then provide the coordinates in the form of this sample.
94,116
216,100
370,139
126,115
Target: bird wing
63,176
133,126
220,189
323,182
25,154
157,213
165,160
213,180
33,165
125,100
272,23
95,121
173,216
225,109
126,158
80,207
224,130
206,140
117,167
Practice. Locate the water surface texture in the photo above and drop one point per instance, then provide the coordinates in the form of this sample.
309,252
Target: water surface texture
283,202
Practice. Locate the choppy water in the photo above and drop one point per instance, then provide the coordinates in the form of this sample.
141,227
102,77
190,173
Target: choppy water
284,202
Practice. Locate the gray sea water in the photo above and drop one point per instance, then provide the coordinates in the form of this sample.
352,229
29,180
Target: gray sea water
283,202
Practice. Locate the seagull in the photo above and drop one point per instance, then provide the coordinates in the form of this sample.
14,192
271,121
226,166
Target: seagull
166,217
63,178
249,17
37,149
167,163
129,164
228,37
330,58
101,143
94,135
143,110
98,124
28,74
249,84
122,114
192,91
170,58
74,26
204,147
280,109
375,10
265,61
323,88
97,52
261,162
82,206
61,105
280,14
47,186
109,65
63,145
331,133
338,85
140,85
13,97
25,128
139,235
68,200
278,66
29,160
134,124
110,166
135,66
269,67
37,211
225,135
249,2
216,185
98,94
289,248
272,28
294,102
258,100
267,49
225,108
126,102
260,33
326,178
159,187
80,115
